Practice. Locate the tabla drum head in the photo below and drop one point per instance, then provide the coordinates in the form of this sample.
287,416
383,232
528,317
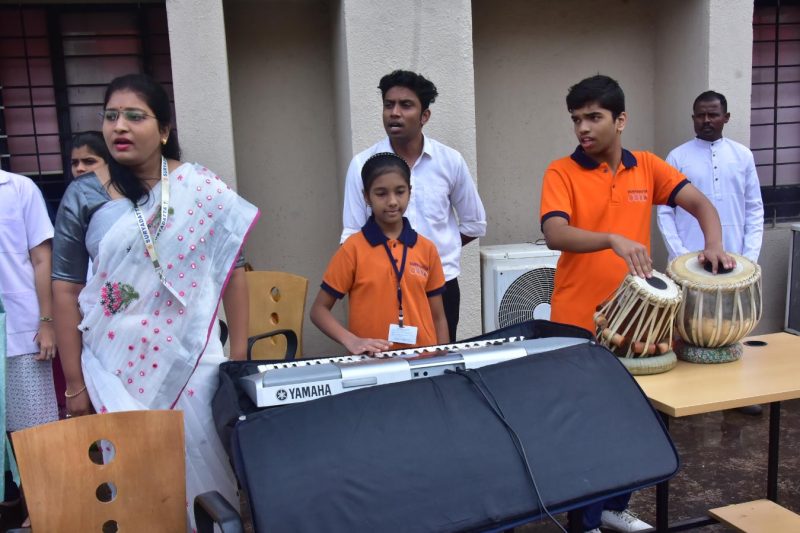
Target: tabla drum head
658,285
686,268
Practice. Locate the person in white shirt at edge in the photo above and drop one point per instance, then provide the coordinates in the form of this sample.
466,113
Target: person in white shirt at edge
444,206
26,236
725,172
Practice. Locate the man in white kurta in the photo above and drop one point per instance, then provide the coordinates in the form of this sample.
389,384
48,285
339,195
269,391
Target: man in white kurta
725,172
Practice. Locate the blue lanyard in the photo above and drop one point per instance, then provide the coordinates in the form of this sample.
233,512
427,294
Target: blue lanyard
399,273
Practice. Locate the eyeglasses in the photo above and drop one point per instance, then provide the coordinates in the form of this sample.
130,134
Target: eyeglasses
131,115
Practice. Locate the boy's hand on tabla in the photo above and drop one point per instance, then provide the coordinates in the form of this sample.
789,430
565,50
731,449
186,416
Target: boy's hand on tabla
634,254
359,346
717,257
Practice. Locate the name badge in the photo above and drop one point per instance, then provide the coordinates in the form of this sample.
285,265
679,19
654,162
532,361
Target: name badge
402,335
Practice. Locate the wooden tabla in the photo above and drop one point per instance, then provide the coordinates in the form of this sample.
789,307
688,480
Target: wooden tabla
636,322
717,309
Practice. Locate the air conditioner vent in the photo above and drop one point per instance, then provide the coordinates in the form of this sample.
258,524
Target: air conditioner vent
517,283
528,297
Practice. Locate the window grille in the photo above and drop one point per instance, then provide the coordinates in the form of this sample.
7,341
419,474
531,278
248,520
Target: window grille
775,106
55,62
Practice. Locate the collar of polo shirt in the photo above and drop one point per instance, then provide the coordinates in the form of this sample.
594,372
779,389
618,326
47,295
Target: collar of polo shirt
375,237
580,157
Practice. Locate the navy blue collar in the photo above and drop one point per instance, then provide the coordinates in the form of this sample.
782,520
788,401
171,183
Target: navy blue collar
375,237
584,160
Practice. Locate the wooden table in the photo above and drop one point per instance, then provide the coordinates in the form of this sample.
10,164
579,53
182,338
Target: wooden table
764,374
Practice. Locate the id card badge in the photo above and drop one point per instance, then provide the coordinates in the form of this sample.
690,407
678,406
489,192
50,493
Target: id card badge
402,335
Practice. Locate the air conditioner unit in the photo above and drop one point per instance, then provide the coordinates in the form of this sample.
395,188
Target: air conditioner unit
792,321
517,283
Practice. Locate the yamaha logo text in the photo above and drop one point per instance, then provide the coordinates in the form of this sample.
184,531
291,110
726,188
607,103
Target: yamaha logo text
302,393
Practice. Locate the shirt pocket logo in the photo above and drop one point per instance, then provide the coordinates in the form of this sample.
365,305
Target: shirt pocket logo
638,195
418,269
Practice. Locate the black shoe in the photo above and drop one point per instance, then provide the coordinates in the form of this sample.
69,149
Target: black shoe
751,410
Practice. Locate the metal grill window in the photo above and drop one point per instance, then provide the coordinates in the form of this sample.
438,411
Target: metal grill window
55,62
775,106
30,126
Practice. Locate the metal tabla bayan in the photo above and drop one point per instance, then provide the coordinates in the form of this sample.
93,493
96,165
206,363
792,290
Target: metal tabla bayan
717,310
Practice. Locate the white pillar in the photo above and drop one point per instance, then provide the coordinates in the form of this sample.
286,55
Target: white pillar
702,45
730,61
682,70
200,81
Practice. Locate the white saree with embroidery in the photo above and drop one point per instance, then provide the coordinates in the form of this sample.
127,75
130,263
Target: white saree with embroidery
143,348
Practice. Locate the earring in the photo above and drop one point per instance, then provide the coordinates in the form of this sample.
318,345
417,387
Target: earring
163,142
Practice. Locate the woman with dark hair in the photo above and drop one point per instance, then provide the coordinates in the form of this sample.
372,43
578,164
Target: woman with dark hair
89,152
165,238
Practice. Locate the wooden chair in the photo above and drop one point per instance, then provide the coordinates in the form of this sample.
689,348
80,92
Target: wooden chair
142,487
277,311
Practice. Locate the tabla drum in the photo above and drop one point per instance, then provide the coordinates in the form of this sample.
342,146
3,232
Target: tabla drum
636,323
717,309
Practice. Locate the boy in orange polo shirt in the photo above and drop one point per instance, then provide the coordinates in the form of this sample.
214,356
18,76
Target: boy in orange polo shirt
393,275
595,208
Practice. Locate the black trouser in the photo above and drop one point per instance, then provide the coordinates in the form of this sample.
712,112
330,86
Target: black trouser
452,301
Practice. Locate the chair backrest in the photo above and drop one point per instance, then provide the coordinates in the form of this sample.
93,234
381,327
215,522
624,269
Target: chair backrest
141,471
277,301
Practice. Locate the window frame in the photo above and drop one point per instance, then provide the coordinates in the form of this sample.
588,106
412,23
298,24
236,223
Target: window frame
53,183
781,202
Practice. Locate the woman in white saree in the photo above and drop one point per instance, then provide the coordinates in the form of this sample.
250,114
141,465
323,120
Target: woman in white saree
165,240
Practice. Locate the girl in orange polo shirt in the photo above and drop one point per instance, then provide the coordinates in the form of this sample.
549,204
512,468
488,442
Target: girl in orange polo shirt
393,275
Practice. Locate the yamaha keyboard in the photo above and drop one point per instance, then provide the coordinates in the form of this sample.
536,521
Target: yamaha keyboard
404,352
302,380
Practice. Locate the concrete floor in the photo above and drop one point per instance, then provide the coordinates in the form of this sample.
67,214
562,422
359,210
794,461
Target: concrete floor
723,461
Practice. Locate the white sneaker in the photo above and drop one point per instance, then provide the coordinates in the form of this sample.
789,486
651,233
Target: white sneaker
623,521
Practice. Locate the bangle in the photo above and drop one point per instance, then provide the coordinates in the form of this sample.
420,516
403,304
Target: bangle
45,319
68,395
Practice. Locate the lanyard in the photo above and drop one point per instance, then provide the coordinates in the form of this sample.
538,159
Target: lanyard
149,241
399,273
